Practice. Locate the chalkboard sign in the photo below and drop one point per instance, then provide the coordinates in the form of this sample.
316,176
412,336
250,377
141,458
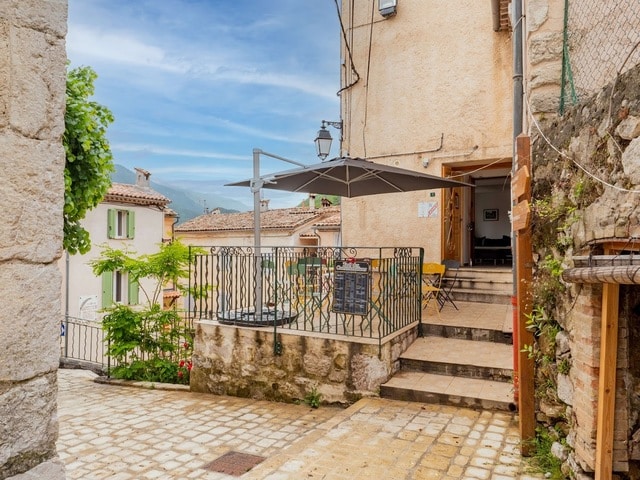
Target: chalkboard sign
351,287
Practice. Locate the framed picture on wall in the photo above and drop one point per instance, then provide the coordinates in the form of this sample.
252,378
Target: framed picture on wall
490,215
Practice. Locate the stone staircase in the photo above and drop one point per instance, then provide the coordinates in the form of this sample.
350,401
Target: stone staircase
482,284
465,359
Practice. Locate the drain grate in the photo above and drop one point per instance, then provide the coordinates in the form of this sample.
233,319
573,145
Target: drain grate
234,463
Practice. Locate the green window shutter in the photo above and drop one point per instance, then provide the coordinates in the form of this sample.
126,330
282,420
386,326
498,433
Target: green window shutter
133,292
107,289
112,216
131,224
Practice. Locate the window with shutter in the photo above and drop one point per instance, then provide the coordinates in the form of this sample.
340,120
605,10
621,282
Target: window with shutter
119,280
121,223
131,224
133,293
107,289
112,215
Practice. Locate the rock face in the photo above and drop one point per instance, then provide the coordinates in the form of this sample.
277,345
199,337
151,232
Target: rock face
32,99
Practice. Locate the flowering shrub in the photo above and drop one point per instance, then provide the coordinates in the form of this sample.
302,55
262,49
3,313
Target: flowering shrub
148,345
184,371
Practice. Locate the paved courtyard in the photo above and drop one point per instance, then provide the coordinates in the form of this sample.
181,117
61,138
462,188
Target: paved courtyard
124,433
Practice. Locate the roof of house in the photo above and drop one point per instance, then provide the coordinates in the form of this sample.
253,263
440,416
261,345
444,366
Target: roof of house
125,193
332,220
276,219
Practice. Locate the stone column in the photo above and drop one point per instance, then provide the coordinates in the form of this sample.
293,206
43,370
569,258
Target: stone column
543,69
32,102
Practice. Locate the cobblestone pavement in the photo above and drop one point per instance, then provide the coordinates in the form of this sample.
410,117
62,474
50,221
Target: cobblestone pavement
123,433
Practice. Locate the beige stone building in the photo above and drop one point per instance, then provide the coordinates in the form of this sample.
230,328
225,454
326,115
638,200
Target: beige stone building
429,89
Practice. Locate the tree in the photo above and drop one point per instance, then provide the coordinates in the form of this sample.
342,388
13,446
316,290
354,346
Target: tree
88,156
148,342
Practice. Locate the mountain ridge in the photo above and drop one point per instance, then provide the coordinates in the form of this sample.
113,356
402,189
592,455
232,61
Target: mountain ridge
185,203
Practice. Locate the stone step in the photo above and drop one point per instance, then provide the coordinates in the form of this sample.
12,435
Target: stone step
461,358
468,333
498,274
483,285
481,295
449,390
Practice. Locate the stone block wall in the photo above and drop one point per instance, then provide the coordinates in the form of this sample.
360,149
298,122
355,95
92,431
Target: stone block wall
32,100
543,63
241,362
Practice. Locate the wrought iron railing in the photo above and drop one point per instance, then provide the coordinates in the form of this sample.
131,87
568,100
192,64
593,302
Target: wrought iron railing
367,292
82,341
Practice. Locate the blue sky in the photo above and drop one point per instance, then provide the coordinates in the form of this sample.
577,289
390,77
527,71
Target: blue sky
195,85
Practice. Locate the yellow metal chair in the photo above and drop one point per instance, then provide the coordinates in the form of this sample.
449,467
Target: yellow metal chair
432,274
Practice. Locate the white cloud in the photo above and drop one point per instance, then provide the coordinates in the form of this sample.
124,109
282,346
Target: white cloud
282,80
133,147
125,48
118,47
199,171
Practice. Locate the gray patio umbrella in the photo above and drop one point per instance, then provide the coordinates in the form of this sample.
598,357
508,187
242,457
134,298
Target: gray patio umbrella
351,177
343,176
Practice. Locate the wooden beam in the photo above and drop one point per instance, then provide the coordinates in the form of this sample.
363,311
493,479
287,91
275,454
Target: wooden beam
521,183
526,375
607,381
524,282
521,215
625,275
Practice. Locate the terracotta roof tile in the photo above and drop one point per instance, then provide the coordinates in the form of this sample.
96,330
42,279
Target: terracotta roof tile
122,192
332,219
276,219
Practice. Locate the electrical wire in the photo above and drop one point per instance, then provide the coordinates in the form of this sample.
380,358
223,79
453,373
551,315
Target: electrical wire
594,177
346,44
483,167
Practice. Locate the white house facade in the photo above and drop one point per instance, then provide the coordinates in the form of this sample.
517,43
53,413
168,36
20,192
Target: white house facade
130,218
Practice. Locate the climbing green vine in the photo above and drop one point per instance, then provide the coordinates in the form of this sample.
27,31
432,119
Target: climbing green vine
88,157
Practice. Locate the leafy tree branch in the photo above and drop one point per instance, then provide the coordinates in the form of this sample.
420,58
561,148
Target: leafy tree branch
89,161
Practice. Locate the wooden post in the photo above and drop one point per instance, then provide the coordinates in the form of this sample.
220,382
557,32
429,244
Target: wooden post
524,276
607,381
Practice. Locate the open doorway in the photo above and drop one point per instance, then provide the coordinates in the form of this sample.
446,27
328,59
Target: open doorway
476,221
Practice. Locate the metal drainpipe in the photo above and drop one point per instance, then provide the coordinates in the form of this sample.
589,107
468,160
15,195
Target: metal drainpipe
517,130
66,304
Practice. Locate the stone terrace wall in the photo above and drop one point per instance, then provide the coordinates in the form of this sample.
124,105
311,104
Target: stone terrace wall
32,102
240,362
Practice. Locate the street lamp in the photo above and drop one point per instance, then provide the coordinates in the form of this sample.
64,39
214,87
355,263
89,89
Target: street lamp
323,140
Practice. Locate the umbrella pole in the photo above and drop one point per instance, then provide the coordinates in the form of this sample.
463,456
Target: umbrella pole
256,232
256,185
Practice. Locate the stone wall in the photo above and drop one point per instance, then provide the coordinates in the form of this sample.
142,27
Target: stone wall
576,214
32,99
240,361
543,62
